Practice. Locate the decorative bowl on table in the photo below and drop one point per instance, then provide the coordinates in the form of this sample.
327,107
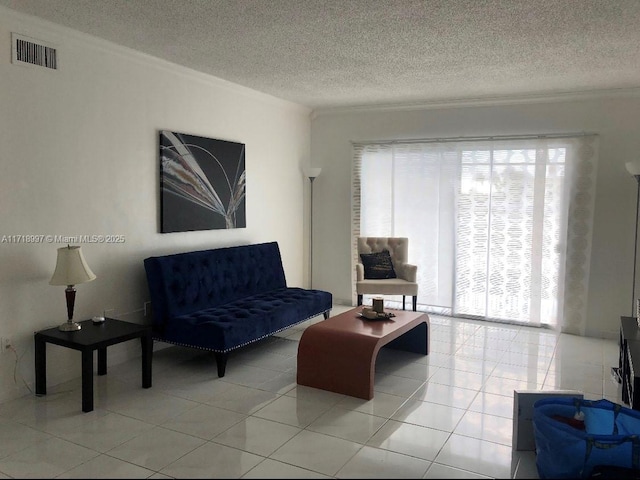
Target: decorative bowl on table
371,314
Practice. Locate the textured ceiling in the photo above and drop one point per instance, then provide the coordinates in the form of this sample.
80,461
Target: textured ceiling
329,53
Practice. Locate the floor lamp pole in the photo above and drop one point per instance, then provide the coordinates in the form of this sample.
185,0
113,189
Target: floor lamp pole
635,252
311,174
311,179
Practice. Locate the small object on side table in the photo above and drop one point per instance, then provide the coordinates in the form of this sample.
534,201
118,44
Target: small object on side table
97,320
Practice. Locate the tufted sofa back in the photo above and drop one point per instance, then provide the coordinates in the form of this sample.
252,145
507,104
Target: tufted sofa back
186,282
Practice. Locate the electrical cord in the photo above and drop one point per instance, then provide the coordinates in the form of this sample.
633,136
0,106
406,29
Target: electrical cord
15,368
15,372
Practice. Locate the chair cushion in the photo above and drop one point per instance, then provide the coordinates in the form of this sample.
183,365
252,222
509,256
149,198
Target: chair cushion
386,286
377,265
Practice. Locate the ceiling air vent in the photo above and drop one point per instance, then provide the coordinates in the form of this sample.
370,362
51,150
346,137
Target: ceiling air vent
29,51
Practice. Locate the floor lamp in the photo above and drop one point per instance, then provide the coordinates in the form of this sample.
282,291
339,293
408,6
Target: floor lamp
311,174
634,169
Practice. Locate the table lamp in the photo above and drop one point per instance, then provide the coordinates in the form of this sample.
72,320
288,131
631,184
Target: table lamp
71,269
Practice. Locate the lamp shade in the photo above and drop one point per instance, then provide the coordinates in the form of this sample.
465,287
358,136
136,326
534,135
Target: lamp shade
71,267
633,168
312,172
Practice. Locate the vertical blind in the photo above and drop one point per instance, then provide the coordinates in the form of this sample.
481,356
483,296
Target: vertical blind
500,229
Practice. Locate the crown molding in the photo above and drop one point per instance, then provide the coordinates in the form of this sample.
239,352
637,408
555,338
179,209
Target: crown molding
45,29
482,101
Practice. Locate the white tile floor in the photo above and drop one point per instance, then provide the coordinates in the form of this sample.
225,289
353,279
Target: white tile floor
446,415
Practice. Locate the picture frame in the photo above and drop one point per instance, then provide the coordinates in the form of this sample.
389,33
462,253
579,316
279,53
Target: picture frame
202,183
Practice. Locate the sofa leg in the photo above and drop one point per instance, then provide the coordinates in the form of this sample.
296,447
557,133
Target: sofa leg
415,303
326,313
221,361
359,300
403,297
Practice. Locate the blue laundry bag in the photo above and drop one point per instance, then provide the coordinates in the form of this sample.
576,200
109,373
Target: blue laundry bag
611,436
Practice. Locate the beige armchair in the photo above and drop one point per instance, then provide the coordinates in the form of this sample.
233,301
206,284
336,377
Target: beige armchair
405,282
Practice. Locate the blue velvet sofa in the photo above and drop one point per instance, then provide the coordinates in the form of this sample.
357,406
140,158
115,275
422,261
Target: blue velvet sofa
224,298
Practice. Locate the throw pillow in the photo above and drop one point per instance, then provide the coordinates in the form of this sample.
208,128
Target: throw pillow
377,265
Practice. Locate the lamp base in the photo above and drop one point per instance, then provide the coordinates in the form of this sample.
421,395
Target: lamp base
69,327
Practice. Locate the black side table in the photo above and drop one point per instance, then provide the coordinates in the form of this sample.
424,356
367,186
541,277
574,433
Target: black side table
92,337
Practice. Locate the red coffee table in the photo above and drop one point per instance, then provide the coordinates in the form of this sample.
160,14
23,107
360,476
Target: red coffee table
339,354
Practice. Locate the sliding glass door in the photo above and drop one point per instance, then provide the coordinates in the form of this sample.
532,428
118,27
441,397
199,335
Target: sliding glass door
488,221
510,241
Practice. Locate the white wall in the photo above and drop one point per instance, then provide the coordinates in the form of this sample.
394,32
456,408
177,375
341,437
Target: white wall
615,117
79,155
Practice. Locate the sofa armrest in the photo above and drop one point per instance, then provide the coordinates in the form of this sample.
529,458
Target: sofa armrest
407,272
359,272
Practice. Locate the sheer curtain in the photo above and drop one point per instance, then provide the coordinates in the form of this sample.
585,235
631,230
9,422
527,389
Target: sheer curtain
500,228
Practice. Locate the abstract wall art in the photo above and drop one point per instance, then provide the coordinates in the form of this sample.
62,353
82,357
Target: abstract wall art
202,183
